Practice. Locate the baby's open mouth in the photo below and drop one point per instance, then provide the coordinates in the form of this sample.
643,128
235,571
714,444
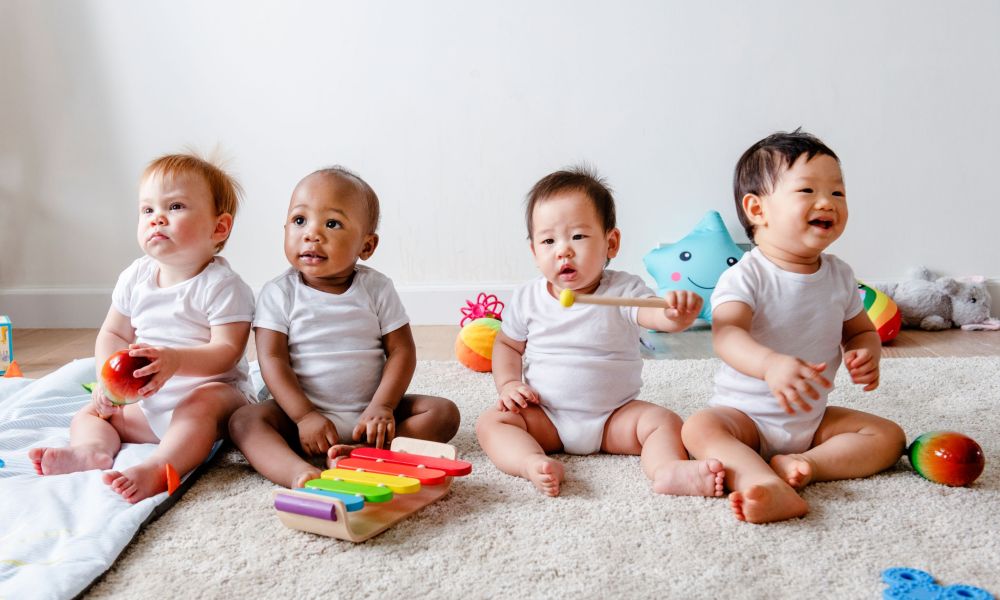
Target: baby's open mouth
566,270
823,223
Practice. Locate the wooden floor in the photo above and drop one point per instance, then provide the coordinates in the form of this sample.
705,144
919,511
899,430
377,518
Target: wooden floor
41,351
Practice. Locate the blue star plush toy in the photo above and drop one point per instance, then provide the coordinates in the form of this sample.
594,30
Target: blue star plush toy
696,261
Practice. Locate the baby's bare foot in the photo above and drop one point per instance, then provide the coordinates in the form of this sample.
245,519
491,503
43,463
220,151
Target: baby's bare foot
139,482
545,473
307,475
766,503
56,461
690,478
793,468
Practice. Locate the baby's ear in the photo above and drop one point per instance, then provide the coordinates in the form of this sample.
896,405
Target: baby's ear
614,242
753,208
368,248
223,227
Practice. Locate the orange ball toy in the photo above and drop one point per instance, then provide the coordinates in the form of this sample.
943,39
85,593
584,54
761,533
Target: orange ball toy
480,325
474,346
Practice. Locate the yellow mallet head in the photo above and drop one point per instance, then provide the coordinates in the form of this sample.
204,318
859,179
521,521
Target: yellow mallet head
566,298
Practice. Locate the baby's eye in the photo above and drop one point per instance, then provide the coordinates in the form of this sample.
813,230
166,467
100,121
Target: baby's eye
547,241
839,194
145,210
578,236
806,191
299,221
333,224
176,206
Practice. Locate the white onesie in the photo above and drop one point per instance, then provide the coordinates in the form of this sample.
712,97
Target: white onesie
334,340
182,315
584,360
795,314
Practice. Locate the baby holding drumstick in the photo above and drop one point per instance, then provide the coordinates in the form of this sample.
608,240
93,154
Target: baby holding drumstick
568,372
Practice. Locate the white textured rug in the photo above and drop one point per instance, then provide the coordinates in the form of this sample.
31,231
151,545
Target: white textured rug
607,535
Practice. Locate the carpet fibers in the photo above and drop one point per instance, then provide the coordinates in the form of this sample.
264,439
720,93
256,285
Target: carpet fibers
608,535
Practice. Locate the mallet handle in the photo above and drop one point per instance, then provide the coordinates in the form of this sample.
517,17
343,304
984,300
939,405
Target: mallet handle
620,301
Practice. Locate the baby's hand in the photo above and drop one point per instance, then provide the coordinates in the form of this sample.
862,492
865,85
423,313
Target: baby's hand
316,433
792,380
104,408
863,368
162,366
515,395
683,306
377,424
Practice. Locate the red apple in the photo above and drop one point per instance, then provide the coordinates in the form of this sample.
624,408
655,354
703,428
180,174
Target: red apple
120,387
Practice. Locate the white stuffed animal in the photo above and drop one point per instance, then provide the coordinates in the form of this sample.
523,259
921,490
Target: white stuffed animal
943,303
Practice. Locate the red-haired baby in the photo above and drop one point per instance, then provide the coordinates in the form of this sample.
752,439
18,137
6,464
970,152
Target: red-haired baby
184,309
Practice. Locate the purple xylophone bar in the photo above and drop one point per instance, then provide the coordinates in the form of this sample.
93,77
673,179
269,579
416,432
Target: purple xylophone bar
305,507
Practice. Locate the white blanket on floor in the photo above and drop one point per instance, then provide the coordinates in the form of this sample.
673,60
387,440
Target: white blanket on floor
57,533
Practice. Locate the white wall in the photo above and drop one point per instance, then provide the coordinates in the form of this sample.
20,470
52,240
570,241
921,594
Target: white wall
452,110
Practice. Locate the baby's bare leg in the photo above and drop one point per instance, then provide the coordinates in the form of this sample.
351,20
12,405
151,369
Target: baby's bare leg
759,495
197,422
517,444
93,441
848,444
262,432
427,418
654,432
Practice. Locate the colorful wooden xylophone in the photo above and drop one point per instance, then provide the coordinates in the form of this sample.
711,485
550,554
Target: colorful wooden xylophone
369,491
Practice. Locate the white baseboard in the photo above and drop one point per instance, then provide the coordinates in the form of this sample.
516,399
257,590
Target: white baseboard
55,308
59,308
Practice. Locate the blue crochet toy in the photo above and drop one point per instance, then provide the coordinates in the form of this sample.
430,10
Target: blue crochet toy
695,262
914,584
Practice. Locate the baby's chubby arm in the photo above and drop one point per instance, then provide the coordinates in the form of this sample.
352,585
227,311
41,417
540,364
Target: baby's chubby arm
790,378
684,306
225,347
507,375
316,432
378,423
862,351
116,334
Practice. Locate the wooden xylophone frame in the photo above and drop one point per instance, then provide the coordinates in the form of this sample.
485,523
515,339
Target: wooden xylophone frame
374,518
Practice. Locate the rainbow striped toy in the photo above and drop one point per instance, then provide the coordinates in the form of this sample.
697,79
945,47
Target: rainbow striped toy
947,457
882,311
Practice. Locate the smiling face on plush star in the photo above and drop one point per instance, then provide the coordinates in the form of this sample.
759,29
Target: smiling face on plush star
696,261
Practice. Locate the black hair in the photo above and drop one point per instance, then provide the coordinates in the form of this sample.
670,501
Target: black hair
577,178
368,196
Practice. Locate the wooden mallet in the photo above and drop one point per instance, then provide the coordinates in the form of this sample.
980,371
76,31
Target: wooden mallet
567,298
